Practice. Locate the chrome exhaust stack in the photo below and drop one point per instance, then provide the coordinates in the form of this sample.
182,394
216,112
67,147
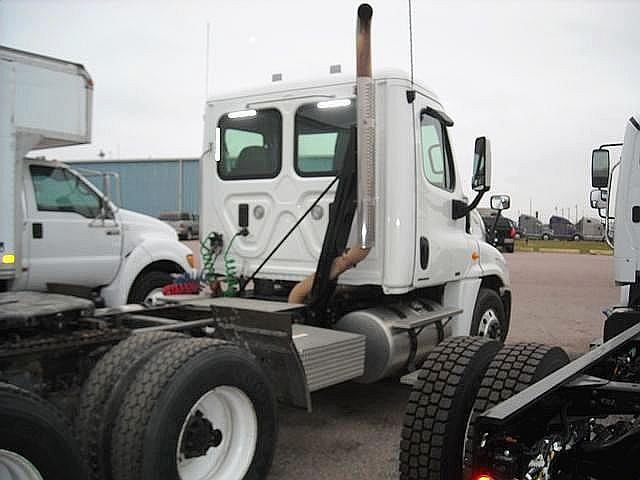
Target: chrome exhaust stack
366,213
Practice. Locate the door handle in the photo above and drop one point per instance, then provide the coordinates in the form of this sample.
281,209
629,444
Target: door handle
424,253
113,231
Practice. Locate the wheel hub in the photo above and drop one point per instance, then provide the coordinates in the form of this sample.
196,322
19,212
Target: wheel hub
490,325
199,437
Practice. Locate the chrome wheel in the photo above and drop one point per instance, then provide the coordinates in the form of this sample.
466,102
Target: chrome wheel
219,436
15,467
490,326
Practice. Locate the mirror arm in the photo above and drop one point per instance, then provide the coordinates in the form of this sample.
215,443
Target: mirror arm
461,209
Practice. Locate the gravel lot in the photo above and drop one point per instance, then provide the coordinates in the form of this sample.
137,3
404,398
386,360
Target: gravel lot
354,430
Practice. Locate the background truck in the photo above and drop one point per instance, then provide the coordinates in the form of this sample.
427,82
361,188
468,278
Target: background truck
531,227
522,411
57,229
307,296
562,228
589,228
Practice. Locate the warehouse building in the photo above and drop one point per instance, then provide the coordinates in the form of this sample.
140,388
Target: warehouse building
151,186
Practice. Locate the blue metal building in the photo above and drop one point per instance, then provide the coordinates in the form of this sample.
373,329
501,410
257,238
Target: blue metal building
152,186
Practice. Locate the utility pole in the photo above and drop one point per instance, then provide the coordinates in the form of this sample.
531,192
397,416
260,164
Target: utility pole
530,206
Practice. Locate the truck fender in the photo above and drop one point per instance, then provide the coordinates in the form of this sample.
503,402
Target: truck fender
462,294
167,255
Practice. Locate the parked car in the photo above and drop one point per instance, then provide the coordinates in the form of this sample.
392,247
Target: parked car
504,233
186,224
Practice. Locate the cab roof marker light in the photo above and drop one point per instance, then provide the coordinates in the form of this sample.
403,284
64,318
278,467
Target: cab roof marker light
341,102
242,114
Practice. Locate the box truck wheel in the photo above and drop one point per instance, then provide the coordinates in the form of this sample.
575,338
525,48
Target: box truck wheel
103,392
513,369
148,285
439,407
36,441
199,409
489,317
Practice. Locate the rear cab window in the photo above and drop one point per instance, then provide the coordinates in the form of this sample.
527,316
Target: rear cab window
322,134
250,144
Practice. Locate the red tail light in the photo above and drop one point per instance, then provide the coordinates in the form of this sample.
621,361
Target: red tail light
512,232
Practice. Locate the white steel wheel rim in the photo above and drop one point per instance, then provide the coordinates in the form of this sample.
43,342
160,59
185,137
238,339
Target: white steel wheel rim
15,467
489,324
230,411
151,299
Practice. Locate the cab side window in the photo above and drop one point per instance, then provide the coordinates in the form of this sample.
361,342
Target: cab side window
437,162
59,190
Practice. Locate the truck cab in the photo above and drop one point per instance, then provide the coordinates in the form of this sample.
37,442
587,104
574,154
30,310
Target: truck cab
273,151
58,231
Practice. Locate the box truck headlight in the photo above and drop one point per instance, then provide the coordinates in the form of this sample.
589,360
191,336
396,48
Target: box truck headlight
8,258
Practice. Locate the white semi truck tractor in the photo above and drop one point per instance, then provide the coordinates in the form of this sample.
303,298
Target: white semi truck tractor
338,245
57,230
525,412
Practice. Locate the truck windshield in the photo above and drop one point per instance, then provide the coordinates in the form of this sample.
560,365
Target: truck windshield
251,144
322,136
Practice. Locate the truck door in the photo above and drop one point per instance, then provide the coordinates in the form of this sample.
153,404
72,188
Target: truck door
67,241
443,245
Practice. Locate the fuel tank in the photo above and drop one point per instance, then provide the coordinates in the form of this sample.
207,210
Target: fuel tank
388,340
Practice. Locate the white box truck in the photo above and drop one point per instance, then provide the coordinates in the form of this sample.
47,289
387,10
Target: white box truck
57,230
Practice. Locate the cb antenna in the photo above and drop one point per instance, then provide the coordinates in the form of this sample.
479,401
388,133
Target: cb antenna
411,94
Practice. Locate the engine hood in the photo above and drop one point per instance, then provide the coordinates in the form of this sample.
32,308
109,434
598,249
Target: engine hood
138,227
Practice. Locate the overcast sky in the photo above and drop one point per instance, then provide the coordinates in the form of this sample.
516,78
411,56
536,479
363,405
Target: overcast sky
546,81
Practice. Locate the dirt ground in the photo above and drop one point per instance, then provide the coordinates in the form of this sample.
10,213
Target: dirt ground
354,430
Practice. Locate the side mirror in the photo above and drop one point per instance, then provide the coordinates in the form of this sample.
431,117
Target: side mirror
600,168
500,202
598,199
481,181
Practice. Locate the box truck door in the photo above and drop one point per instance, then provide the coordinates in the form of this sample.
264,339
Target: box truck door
68,242
443,247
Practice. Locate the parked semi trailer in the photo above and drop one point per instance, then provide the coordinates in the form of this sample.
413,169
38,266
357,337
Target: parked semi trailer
483,412
299,296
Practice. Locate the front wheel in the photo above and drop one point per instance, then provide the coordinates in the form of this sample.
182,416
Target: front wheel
545,236
436,417
489,316
200,409
148,286
576,238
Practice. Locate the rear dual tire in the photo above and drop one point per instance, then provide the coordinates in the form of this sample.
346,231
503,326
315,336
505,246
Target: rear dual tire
199,409
460,379
36,440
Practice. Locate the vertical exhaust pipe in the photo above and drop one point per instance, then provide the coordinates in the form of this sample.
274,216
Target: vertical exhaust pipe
366,130
365,113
